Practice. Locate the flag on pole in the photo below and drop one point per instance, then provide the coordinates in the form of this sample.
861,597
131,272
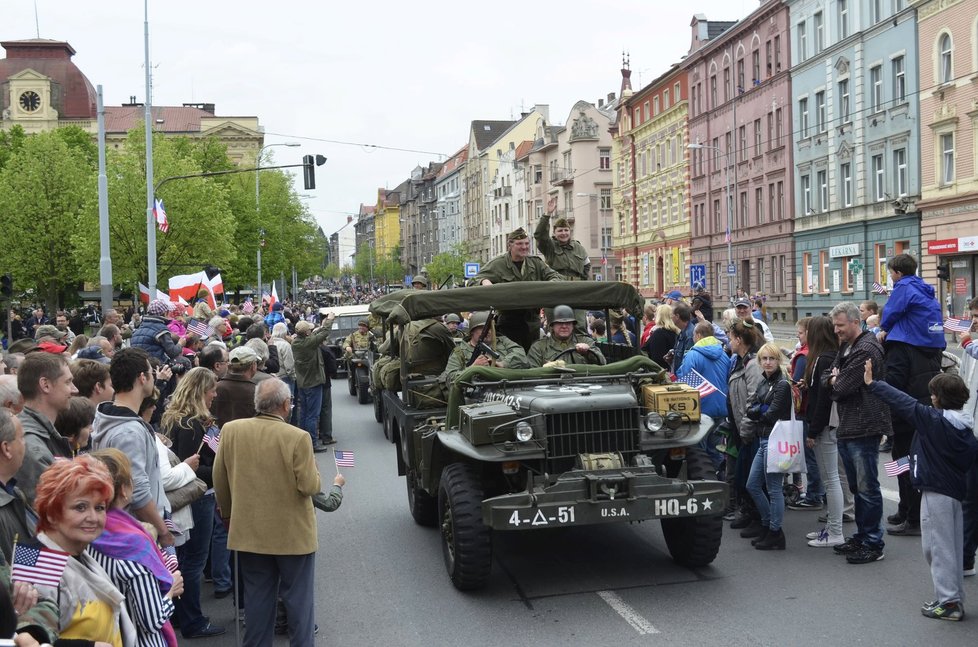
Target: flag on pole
727,238
199,328
957,325
144,294
274,298
212,438
700,383
38,565
343,459
878,288
899,466
160,214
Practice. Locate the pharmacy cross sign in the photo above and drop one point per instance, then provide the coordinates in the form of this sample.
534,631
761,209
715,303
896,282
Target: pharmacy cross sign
856,266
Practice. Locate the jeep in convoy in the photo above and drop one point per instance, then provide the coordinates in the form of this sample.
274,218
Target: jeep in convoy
509,450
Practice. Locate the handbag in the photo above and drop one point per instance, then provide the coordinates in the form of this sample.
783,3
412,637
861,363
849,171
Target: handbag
186,494
785,447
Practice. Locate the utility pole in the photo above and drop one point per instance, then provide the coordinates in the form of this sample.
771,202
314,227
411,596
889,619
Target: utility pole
105,258
148,125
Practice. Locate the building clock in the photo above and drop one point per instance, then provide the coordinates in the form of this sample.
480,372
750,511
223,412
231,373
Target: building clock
30,101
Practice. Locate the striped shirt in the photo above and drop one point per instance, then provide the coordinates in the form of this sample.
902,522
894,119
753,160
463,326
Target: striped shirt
147,606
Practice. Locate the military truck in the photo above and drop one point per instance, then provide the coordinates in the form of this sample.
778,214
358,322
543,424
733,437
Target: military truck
517,450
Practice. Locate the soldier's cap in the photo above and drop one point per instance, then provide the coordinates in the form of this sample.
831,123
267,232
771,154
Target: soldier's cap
452,318
48,330
561,223
477,319
243,355
517,234
363,322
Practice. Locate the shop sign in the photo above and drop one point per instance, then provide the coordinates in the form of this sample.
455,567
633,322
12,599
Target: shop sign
946,246
840,251
968,244
961,285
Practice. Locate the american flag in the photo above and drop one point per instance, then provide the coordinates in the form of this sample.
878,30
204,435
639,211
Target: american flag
343,459
957,325
38,565
212,438
160,214
899,466
727,237
198,328
879,288
170,559
700,383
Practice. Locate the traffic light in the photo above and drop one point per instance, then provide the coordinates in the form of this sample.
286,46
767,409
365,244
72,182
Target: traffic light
6,286
944,272
309,164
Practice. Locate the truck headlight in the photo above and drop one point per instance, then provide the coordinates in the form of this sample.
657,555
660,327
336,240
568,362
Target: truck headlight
524,431
653,421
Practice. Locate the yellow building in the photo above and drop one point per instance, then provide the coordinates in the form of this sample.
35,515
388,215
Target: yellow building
41,89
387,220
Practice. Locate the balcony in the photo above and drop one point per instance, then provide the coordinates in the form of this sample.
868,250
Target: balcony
502,192
561,176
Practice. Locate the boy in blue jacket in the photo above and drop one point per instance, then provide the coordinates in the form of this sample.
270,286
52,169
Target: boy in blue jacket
943,452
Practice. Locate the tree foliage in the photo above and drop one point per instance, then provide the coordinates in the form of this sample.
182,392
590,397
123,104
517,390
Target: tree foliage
44,187
446,264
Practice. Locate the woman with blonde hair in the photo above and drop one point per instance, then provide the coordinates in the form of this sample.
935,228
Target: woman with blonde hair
78,343
663,337
186,422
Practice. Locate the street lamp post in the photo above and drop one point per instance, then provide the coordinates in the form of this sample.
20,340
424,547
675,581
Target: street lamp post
726,181
261,233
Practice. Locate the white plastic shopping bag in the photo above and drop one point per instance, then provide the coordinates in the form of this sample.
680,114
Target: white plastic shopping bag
786,447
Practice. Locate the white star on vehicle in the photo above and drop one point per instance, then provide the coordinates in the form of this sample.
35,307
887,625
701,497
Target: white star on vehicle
707,504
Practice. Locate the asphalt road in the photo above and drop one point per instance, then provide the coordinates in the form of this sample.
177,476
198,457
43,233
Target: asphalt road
381,580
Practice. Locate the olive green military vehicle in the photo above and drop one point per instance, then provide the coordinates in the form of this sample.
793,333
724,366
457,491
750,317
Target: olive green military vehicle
515,450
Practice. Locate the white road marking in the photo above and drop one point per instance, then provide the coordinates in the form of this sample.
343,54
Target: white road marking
630,615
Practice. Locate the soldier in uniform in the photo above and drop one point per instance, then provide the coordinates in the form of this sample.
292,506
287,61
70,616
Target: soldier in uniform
563,338
451,322
511,354
568,257
522,326
359,339
419,282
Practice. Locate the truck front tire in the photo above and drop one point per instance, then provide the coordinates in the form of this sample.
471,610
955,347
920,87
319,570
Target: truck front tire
466,541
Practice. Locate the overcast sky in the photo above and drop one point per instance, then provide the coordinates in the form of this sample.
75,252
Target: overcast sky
408,75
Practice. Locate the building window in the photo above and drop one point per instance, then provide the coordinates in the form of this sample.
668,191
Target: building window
945,75
878,180
779,288
823,271
768,60
742,132
757,137
726,84
537,174
844,101
779,126
756,66
770,131
771,207
947,158
846,172
806,195
806,271
740,77
605,204
846,274
822,178
877,11
665,99
803,116
760,274
879,266
900,168
780,200
742,220
899,80
843,19
876,88
820,124
713,91
819,32
677,96
655,105
777,53
802,41
604,159
759,204
716,216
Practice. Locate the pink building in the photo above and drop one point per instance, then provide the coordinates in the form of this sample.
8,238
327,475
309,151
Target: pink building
741,176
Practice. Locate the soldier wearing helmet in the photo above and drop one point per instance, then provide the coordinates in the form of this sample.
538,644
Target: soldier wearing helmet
419,282
562,338
451,322
359,339
511,354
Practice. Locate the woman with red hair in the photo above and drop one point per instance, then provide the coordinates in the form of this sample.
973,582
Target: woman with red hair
71,501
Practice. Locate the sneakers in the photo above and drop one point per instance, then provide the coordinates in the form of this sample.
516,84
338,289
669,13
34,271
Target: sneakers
824,539
895,519
865,555
943,611
773,540
850,545
847,517
969,570
806,504
815,534
905,529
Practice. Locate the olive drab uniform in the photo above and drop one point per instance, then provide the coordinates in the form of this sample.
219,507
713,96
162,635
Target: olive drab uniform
511,356
547,349
569,259
358,340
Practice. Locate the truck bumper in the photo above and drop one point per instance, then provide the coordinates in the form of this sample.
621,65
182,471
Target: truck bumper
587,497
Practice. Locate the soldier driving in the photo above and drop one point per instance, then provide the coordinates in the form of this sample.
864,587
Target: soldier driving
510,354
359,339
562,339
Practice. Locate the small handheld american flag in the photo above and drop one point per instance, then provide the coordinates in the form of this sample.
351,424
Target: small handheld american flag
343,459
897,467
700,383
38,565
879,288
957,325
198,328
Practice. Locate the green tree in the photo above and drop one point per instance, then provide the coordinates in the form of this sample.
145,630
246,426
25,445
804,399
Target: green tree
364,264
445,264
44,188
201,222
10,142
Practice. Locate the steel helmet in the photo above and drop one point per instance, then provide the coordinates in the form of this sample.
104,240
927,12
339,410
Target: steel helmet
452,318
363,322
477,319
563,314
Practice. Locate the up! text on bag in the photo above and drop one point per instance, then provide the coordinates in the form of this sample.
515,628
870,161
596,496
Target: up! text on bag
785,447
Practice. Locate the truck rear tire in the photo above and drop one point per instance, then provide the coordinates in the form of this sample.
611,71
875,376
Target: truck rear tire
423,506
379,407
695,541
466,541
363,386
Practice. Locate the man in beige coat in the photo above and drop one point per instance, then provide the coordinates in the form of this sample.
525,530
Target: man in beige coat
264,478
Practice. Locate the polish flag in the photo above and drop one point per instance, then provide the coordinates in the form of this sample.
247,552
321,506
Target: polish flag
144,294
274,298
186,286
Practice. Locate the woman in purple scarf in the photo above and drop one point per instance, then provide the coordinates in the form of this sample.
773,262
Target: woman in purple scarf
134,561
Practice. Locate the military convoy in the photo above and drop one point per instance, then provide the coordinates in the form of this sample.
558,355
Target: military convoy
522,449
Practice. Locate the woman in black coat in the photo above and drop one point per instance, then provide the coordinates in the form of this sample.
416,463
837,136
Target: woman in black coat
663,337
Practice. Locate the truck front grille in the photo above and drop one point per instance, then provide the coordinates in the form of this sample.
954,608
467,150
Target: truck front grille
590,432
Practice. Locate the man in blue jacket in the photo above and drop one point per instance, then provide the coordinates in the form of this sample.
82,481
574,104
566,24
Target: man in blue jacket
707,358
912,333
